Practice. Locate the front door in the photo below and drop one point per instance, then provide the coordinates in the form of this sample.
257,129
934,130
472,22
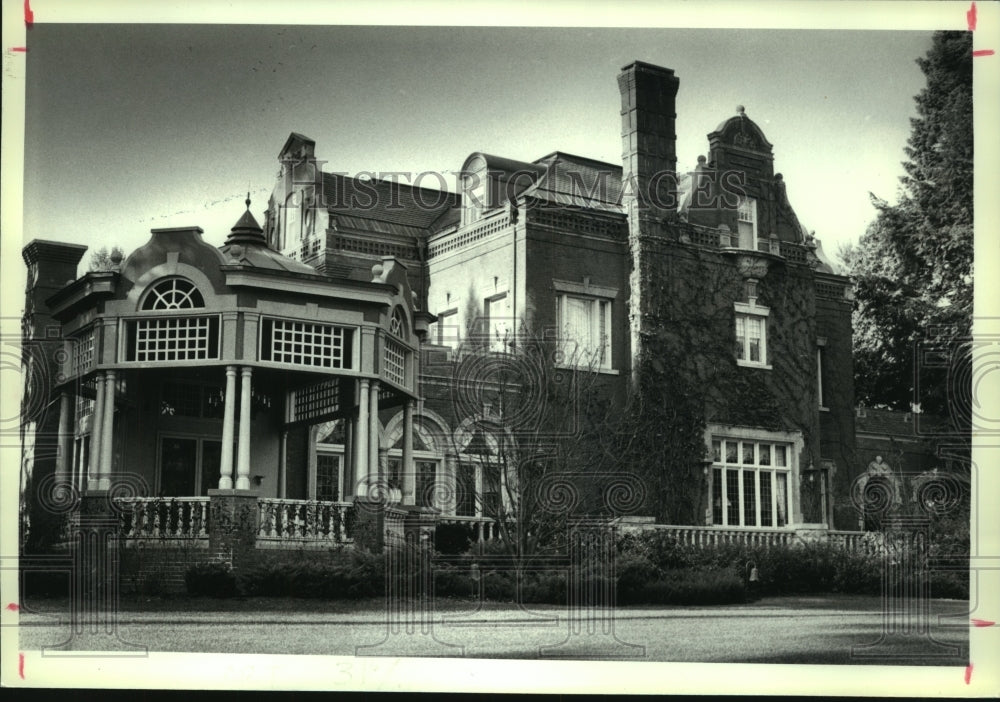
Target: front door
189,466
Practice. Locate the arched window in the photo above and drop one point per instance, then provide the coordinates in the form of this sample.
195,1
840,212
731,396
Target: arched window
173,294
397,325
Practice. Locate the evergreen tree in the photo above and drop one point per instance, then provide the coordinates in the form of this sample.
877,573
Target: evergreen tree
913,267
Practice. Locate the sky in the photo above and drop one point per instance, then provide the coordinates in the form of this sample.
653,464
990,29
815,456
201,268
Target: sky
133,127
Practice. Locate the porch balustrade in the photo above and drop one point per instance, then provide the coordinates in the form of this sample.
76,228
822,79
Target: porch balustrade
303,520
483,528
714,536
163,517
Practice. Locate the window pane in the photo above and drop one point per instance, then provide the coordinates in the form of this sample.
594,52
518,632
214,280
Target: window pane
716,451
779,456
765,454
733,497
754,328
717,496
211,463
766,517
782,498
749,499
177,466
328,477
748,458
731,449
425,483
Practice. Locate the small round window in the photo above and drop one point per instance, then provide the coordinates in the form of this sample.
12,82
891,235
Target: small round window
173,294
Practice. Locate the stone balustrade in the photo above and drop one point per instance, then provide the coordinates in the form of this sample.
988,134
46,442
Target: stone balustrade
163,517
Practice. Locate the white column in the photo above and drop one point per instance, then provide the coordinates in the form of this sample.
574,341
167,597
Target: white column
243,461
409,470
65,438
228,430
96,425
373,429
108,421
361,453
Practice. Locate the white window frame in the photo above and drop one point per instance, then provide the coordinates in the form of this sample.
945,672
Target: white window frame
793,443
327,451
570,349
746,311
746,214
341,329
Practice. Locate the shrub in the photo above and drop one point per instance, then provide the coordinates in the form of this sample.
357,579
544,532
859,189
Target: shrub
347,574
689,586
211,579
452,538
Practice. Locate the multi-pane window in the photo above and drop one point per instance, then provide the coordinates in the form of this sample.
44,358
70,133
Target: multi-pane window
83,352
305,344
173,294
750,483
751,338
394,362
173,339
746,222
425,486
327,477
585,330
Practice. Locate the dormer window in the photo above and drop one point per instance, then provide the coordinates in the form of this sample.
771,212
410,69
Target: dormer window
746,223
173,294
397,325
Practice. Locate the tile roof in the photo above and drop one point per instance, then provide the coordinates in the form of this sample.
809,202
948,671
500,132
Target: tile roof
386,202
578,181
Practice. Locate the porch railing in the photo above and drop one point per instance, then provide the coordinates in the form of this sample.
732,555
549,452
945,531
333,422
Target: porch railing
706,536
163,517
482,528
303,520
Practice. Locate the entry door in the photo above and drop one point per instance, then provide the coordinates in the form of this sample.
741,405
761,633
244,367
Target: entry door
178,466
189,466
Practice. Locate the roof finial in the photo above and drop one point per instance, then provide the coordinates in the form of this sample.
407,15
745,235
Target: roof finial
740,109
248,199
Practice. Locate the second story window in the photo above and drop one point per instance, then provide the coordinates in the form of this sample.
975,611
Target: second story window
751,334
305,344
746,223
584,325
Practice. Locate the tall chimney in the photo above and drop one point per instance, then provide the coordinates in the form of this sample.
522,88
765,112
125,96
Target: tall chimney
649,176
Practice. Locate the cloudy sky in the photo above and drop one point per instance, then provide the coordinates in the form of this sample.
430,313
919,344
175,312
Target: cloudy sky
130,127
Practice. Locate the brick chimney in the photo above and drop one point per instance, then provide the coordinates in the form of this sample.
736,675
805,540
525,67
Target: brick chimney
649,175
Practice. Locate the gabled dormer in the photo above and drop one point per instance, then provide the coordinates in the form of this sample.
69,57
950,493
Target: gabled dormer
737,191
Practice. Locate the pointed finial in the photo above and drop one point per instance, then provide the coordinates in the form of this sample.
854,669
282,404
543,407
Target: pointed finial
740,109
248,199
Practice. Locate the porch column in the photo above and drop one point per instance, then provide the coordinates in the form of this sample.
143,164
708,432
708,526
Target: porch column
108,421
373,429
408,469
349,480
243,461
228,429
96,424
361,453
65,452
